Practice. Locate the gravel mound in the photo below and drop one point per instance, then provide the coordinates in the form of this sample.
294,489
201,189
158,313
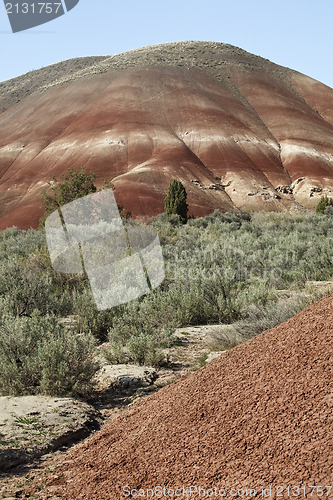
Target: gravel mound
259,416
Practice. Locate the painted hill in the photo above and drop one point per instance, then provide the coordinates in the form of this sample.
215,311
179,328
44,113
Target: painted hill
259,416
238,130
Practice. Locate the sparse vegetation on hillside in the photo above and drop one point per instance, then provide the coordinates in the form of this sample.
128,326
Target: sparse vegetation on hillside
227,268
213,57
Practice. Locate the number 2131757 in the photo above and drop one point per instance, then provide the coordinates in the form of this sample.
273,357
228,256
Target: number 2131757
33,8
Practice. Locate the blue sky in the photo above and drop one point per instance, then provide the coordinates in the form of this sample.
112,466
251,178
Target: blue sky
295,33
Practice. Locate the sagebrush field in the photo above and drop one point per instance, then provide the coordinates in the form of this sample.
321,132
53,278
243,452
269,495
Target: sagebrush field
254,271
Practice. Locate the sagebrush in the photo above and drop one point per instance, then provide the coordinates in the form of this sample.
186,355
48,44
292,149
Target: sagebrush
223,268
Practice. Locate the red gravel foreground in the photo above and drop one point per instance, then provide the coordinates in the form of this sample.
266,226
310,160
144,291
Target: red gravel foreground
259,416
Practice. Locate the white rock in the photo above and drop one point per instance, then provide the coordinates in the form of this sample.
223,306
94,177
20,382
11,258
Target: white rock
124,376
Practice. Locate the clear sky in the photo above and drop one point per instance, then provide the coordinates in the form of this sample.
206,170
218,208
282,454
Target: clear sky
294,33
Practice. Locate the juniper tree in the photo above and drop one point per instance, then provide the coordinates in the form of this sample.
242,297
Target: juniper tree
72,185
324,203
175,201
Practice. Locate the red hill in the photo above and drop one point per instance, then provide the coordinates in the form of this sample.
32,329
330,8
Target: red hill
238,130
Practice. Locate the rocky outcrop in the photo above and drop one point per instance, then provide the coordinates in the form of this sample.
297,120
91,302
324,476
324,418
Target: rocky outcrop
34,425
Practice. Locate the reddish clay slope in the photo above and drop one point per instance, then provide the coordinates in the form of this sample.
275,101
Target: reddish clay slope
260,415
238,130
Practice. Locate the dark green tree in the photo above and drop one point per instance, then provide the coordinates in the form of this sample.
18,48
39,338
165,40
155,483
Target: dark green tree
73,184
175,201
324,202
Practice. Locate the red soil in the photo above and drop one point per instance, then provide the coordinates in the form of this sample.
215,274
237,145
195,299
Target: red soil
259,416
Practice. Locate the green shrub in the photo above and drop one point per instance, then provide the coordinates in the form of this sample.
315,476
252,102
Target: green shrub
38,355
329,210
144,349
28,289
18,243
5,306
116,353
67,364
323,204
175,201
258,319
89,318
